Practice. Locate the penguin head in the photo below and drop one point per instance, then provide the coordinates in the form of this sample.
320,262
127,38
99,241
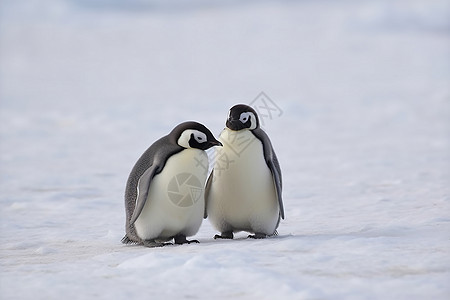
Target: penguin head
194,135
242,116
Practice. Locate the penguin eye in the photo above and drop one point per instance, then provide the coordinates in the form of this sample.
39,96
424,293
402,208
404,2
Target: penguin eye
200,138
244,117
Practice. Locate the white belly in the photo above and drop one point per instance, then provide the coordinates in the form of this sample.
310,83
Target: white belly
242,194
175,203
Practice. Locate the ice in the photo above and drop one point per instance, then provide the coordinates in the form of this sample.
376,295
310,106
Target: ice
363,140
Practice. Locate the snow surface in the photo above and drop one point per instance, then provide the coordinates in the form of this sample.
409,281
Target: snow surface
363,139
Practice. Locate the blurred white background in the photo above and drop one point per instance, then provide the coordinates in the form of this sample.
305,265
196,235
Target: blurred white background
364,143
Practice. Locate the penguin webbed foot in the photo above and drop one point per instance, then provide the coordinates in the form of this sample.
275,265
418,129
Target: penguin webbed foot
154,244
225,235
181,239
257,236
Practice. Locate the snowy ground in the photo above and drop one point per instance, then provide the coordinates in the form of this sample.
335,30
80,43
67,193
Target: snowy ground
363,140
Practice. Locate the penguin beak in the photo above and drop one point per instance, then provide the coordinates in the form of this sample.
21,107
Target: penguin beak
234,124
215,143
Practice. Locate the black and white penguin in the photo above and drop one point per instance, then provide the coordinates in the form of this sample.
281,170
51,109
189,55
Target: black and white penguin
164,196
245,193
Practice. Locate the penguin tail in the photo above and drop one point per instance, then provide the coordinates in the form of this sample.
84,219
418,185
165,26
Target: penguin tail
126,240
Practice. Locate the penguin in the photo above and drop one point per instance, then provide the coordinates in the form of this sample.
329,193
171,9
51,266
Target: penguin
164,195
245,193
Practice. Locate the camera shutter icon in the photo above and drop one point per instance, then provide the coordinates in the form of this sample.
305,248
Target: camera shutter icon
184,189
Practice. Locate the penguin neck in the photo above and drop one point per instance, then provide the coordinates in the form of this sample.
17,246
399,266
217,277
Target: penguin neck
236,140
236,132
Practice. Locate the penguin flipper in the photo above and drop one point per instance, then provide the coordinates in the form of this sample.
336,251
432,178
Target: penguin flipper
143,187
207,188
276,173
273,164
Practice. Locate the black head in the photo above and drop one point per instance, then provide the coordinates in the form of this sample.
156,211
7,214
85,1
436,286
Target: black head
242,116
194,135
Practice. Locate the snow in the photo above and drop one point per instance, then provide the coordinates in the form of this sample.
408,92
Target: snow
363,139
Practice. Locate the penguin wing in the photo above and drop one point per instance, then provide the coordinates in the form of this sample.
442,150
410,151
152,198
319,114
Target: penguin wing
207,188
142,191
150,164
273,164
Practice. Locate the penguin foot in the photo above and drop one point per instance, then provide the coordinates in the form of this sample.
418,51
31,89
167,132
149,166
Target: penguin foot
225,235
181,239
154,244
258,236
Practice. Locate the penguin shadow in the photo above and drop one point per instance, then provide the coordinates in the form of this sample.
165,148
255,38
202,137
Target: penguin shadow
205,241
243,238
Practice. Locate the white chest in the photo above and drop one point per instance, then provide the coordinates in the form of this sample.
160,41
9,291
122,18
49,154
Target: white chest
175,202
243,191
241,161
